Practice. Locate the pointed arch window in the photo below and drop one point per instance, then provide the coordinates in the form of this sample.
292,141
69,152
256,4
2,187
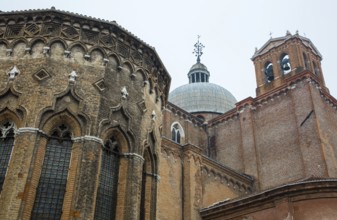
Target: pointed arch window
7,131
106,199
176,133
148,193
52,183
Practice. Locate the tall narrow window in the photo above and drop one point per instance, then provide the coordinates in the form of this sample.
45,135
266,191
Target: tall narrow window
52,184
269,72
316,70
147,203
7,130
176,133
285,64
106,200
306,62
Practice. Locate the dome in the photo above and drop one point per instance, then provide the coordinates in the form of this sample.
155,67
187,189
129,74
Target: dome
202,97
198,66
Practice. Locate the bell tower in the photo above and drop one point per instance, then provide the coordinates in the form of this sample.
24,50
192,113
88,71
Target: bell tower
281,58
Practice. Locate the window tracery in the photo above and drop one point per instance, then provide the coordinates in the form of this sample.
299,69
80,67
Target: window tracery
52,183
106,199
7,132
177,133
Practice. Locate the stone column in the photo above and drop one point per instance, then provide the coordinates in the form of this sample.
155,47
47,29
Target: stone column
132,193
192,186
87,177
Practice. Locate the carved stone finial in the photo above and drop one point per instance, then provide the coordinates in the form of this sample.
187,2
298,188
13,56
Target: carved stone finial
153,115
13,72
198,49
72,76
288,33
124,93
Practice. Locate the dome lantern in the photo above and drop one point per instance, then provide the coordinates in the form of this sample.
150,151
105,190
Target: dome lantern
200,96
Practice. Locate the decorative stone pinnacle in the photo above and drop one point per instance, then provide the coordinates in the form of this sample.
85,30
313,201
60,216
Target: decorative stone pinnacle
14,72
198,49
72,76
124,93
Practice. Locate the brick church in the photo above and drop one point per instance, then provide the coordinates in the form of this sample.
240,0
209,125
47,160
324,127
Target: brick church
88,129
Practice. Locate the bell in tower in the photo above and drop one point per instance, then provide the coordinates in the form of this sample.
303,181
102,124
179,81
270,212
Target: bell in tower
284,57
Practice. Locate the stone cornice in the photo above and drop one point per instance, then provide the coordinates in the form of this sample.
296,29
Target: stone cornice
184,114
243,178
30,130
88,138
295,191
280,41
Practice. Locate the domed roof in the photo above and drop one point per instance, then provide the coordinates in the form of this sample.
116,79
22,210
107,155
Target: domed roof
202,97
198,66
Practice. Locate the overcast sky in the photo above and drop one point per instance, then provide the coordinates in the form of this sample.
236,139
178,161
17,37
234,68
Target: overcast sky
229,29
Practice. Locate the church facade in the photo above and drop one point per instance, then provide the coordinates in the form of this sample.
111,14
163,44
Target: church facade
88,129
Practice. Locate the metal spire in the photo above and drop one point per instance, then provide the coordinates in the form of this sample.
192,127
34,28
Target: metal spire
198,49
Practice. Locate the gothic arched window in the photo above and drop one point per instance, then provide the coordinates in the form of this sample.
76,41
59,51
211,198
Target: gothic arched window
148,193
106,199
176,133
52,183
7,131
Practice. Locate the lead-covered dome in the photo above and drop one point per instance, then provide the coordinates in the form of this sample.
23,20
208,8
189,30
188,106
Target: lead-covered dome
202,97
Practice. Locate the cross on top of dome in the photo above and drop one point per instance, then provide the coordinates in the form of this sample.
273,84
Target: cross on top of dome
198,49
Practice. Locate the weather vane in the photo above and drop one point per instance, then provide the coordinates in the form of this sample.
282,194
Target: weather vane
198,49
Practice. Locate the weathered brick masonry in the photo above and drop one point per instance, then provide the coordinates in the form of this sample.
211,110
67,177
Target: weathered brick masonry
93,84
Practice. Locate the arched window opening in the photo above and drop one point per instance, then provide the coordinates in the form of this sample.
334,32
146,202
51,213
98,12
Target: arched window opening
176,133
106,200
306,62
316,70
148,193
53,180
269,72
198,77
7,131
285,64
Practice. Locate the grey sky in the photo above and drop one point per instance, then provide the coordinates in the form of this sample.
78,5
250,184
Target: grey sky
229,29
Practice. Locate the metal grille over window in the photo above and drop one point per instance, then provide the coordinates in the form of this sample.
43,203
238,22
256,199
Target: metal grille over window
7,130
52,184
106,200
